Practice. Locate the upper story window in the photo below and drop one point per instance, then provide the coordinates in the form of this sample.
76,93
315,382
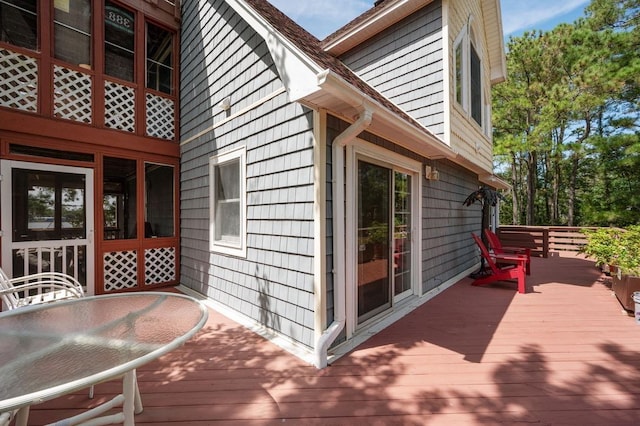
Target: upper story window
72,31
73,43
92,50
458,73
119,42
475,84
468,75
159,59
227,198
19,23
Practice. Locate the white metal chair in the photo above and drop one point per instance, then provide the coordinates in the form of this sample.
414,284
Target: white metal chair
33,289
5,418
45,287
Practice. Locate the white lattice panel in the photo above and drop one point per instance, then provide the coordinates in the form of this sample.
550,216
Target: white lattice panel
120,270
72,91
159,265
160,117
119,106
18,81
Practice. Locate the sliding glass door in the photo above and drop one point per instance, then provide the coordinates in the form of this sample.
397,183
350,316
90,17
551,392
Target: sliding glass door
384,222
374,235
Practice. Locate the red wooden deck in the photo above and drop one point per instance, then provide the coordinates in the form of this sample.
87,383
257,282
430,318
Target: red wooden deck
562,354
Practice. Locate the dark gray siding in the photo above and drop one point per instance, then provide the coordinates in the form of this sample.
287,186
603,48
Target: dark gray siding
221,56
405,63
447,247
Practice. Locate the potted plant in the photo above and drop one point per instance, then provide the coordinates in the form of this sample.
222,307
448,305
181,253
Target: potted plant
603,247
628,258
626,280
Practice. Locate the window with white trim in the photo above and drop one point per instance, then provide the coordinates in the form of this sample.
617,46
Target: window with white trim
227,228
468,75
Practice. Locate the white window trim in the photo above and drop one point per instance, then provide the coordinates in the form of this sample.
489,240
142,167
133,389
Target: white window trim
474,44
461,40
239,249
361,149
487,118
464,38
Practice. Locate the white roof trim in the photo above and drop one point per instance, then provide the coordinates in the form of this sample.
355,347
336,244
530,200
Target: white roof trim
389,13
297,71
303,77
420,141
497,58
495,182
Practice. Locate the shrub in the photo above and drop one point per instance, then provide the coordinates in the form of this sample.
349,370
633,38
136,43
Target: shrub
628,257
602,245
615,246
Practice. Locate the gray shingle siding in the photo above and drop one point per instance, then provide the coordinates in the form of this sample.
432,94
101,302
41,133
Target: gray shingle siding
405,63
224,46
221,56
447,247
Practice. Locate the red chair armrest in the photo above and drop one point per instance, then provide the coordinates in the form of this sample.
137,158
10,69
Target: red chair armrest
511,257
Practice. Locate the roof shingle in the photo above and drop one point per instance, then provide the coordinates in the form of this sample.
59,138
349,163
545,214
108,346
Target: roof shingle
312,47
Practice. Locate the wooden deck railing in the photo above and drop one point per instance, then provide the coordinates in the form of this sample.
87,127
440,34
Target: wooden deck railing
543,240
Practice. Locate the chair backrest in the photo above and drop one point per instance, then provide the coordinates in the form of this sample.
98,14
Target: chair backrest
493,239
10,299
485,253
44,287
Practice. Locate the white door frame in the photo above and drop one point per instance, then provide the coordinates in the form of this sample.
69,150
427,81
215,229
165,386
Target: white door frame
378,155
6,223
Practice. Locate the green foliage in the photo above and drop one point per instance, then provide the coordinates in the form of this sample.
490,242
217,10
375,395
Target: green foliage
613,182
40,203
615,246
378,233
602,245
628,259
566,122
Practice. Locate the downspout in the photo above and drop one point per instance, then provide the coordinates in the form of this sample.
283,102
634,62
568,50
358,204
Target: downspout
339,238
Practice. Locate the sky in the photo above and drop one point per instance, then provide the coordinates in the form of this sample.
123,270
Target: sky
322,18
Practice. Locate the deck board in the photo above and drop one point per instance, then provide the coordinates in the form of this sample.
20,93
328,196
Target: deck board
564,353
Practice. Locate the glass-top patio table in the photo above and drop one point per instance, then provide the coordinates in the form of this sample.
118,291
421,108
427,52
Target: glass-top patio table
50,350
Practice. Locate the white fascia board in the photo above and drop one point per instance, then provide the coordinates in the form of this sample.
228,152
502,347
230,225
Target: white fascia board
297,71
338,87
495,181
390,12
496,46
484,176
420,141
498,75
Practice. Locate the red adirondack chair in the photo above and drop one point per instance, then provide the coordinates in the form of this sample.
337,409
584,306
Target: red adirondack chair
512,267
498,248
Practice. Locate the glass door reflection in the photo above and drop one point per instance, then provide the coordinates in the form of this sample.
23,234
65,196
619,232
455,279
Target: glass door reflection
374,235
